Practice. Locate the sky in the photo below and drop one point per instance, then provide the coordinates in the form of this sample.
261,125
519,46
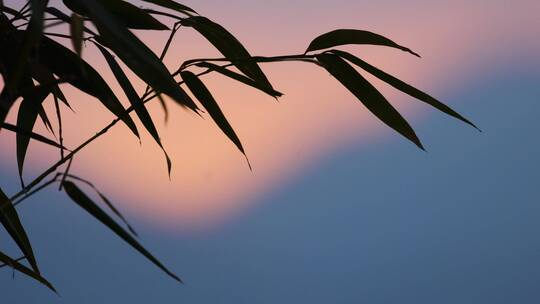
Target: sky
338,207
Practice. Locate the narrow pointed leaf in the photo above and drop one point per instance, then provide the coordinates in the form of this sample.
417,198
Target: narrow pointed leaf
170,4
239,77
11,222
107,202
163,106
77,72
230,47
350,36
135,101
45,119
197,87
26,119
32,135
89,206
126,13
135,54
368,95
25,270
76,28
402,86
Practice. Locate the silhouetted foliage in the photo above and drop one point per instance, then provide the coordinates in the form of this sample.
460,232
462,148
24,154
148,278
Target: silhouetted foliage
34,66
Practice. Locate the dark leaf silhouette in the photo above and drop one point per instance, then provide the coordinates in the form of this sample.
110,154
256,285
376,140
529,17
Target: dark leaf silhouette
107,202
239,77
230,47
26,118
66,64
135,54
89,206
45,119
135,101
76,27
170,4
11,222
126,13
349,36
402,86
25,270
368,95
202,93
32,135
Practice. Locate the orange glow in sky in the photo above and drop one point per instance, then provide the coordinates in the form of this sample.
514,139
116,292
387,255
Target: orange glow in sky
211,181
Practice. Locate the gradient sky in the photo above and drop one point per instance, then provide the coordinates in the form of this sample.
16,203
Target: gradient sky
338,208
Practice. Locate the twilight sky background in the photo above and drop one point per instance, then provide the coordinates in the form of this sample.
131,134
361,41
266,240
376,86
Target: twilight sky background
338,208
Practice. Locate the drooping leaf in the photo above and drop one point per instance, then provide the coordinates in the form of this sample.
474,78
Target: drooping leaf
45,119
126,13
135,54
238,77
76,28
135,101
66,64
351,36
26,118
170,4
25,270
163,106
107,202
368,95
197,87
81,199
32,135
402,86
11,222
230,47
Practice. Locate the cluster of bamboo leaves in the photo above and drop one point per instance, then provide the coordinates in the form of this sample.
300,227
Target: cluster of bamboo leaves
36,61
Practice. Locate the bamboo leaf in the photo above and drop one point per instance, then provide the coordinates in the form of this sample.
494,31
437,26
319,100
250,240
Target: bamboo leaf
230,47
368,95
197,87
89,206
76,28
11,222
26,118
402,86
66,64
25,270
350,36
32,135
170,4
126,13
135,101
45,119
239,77
106,201
135,54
